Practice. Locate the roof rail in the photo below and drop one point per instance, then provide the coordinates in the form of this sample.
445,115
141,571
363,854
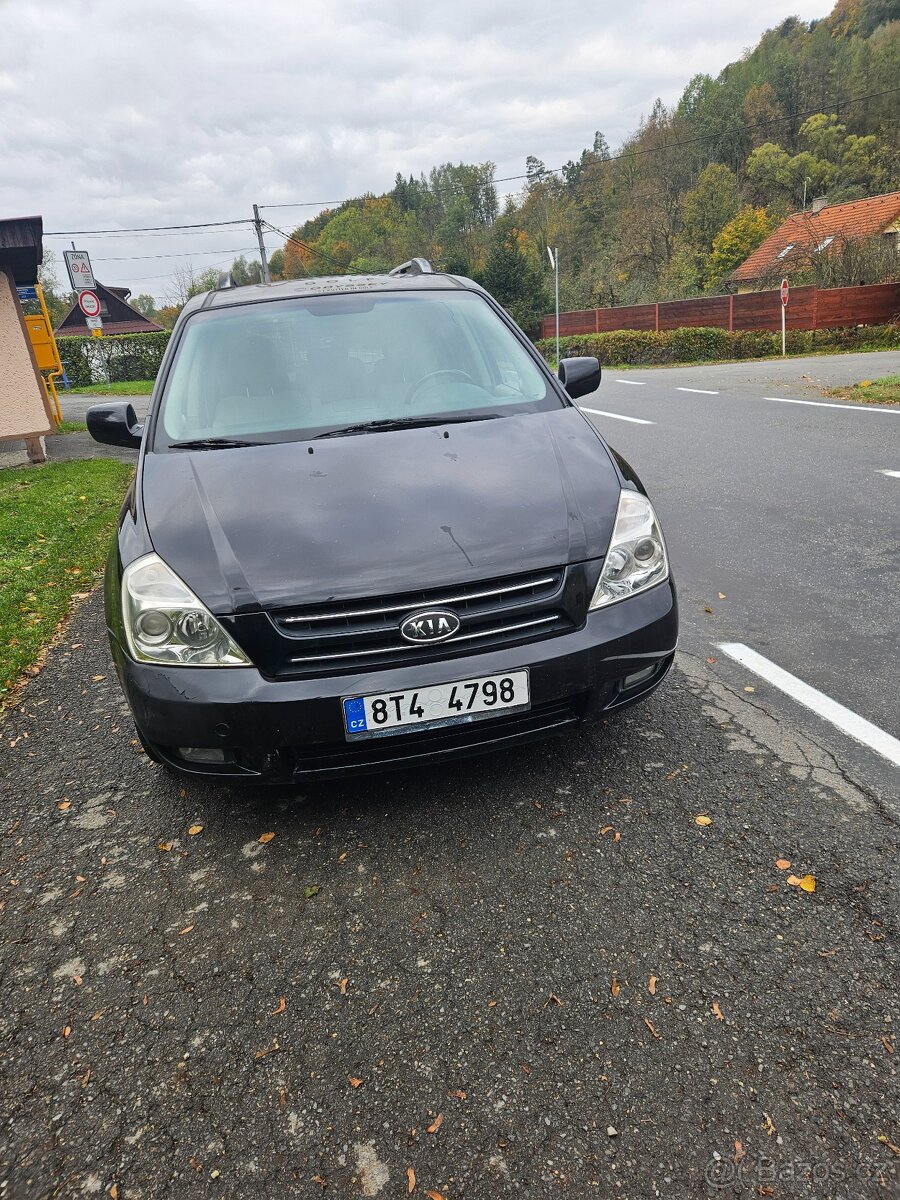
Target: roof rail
225,281
415,266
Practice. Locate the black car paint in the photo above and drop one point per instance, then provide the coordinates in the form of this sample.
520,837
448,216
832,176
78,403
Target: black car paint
259,527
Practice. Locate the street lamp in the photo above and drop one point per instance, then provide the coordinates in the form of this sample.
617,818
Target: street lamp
554,263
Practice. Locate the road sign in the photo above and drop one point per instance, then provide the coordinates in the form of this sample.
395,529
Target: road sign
93,323
784,291
89,303
80,272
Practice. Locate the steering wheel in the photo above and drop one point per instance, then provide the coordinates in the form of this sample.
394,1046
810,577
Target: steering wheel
463,376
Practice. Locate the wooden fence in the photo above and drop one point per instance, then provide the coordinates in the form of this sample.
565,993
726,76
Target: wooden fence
808,308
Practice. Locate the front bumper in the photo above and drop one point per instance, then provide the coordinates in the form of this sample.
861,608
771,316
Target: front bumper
281,731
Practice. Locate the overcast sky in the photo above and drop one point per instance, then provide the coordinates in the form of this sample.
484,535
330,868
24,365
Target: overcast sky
117,114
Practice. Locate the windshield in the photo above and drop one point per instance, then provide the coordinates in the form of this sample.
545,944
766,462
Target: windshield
296,369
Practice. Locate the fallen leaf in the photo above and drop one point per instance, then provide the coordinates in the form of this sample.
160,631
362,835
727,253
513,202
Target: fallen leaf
265,838
554,999
717,1011
526,1070
435,1196
605,830
769,1126
97,678
343,986
793,880
462,1095
701,820
888,1044
808,883
651,986
187,929
311,889
86,1078
282,1005
354,1082
194,830
166,846
739,1151
64,804
890,1145
614,988
706,608
67,1029
617,837
113,1191
749,689
436,1124
410,1181
282,1099
492,1003
342,857
782,863
649,1025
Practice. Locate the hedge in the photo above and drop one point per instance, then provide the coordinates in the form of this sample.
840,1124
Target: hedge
638,347
118,359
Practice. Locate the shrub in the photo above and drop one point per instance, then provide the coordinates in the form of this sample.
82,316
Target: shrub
638,347
118,359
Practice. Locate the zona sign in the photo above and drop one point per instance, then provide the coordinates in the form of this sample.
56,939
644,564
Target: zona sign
89,304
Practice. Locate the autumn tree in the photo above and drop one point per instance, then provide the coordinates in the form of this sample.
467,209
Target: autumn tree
748,229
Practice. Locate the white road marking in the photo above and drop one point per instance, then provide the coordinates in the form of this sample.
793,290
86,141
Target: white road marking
618,416
632,382
826,404
699,391
893,474
849,722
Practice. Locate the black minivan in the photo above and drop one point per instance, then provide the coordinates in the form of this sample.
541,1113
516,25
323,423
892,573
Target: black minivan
370,528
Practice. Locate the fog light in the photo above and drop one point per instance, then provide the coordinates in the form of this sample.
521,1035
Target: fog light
201,754
639,677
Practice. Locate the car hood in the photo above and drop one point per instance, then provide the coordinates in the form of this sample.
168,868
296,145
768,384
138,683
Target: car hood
381,513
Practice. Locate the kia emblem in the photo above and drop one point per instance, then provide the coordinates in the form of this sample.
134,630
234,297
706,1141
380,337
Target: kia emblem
431,625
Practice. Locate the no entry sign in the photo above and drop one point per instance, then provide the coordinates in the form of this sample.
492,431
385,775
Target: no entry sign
784,291
89,304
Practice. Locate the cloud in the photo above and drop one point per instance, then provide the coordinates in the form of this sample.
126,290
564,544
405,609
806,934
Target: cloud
117,114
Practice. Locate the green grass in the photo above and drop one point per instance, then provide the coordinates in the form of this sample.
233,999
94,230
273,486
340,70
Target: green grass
71,427
137,387
871,391
55,526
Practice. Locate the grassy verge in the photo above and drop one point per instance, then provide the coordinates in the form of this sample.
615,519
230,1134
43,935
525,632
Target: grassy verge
71,427
871,391
137,387
55,525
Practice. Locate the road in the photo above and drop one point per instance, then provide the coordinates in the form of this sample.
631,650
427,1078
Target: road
527,975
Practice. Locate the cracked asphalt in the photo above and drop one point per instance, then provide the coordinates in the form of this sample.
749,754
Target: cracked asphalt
532,974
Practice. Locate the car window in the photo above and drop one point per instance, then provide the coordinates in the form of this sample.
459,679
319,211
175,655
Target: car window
297,368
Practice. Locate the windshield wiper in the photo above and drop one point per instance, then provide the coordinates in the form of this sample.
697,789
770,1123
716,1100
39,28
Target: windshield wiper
212,443
404,423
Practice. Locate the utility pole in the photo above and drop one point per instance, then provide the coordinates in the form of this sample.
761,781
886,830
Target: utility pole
554,262
262,245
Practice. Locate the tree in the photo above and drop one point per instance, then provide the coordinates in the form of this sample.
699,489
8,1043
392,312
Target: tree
748,229
144,304
243,272
512,277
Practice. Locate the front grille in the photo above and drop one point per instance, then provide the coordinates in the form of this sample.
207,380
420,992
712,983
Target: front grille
365,634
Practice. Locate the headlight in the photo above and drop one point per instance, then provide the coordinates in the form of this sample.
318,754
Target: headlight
636,558
166,623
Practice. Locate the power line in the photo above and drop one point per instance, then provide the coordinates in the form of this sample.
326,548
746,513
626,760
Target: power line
143,229
176,254
310,249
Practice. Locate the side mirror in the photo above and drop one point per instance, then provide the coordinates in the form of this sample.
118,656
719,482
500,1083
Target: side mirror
115,425
579,376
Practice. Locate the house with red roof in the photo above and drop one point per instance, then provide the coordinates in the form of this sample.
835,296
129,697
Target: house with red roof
116,314
821,230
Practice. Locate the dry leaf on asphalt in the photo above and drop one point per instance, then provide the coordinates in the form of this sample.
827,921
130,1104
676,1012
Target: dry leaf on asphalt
67,1029
706,608
343,986
888,1044
701,820
166,846
354,1082
614,988
187,929
649,1025
739,1150
890,1145
410,1181
282,1005
722,596
717,1011
782,863
265,838
808,883
462,1095
194,830
64,804
436,1124
435,1196
651,986
749,689
605,830
769,1126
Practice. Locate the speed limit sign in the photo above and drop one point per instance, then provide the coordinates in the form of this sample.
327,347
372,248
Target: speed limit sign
89,303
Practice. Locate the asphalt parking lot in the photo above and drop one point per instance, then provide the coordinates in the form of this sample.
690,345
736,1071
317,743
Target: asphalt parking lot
582,968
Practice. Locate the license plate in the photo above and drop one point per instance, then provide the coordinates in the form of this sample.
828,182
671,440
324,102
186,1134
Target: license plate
439,704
